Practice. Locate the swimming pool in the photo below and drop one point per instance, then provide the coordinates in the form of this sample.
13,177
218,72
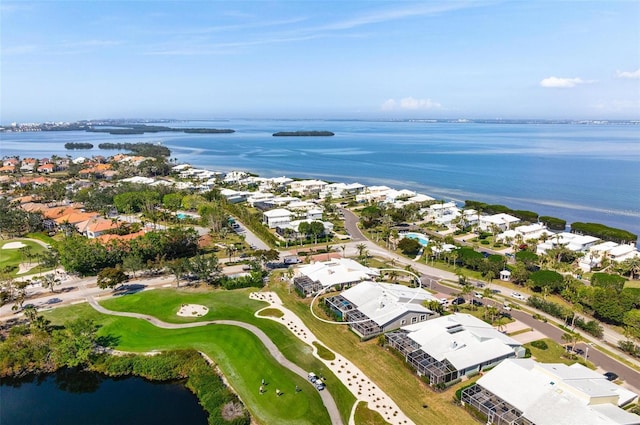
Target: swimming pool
420,237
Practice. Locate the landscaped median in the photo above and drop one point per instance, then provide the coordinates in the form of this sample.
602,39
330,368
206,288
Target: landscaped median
239,354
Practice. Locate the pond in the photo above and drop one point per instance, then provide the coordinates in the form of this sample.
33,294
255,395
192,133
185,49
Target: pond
71,397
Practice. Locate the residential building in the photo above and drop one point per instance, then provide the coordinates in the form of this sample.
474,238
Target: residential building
295,225
372,308
522,391
337,273
571,241
278,217
500,221
307,187
96,226
450,347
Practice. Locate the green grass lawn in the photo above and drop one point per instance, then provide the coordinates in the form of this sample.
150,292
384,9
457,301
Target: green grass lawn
229,305
13,257
555,353
385,368
243,360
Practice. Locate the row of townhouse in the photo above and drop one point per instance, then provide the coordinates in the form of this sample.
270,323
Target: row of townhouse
440,348
513,390
525,392
32,165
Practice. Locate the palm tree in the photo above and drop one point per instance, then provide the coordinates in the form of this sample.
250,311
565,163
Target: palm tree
362,249
343,248
569,338
466,290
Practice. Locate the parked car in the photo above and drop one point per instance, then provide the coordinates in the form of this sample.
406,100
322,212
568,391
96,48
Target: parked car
611,376
518,296
458,301
320,385
506,307
478,295
444,301
312,377
477,303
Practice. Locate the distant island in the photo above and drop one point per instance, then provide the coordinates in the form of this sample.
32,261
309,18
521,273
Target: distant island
144,149
74,145
304,133
143,128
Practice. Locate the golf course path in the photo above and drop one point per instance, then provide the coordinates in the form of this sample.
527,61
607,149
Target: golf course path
354,379
328,401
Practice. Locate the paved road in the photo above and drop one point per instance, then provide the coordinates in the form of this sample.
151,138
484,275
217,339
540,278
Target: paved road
431,276
328,401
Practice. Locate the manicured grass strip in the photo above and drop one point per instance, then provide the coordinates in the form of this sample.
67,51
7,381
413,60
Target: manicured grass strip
271,312
364,416
555,353
243,360
42,237
323,352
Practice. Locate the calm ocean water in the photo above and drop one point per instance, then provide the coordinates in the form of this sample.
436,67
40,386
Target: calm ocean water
576,172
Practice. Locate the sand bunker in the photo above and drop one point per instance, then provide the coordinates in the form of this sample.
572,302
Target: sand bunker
13,245
192,310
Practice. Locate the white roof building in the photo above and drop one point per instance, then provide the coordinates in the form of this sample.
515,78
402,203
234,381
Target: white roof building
531,231
550,394
138,180
307,187
372,308
503,221
383,302
278,217
463,340
341,271
571,241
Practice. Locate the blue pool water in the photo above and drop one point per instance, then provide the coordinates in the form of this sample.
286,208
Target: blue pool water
420,237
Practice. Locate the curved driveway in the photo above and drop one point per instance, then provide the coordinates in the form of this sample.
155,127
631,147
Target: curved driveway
328,401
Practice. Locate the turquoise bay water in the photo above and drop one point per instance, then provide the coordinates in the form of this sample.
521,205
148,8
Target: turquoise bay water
576,172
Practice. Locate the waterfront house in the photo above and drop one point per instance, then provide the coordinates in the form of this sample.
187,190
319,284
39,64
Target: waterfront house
571,241
501,221
523,391
307,187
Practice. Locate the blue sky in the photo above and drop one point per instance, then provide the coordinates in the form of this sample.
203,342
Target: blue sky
68,60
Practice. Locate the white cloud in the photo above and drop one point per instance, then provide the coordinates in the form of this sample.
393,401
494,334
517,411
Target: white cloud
409,103
563,83
630,75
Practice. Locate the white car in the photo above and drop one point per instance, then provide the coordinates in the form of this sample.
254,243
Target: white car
444,301
518,296
506,307
478,295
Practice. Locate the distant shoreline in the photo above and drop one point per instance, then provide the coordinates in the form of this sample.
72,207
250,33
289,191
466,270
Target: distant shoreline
312,133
